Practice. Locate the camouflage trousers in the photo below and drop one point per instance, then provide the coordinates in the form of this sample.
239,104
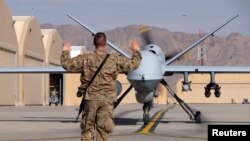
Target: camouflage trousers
97,116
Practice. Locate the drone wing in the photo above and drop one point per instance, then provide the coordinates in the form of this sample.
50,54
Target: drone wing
206,69
93,32
32,70
198,42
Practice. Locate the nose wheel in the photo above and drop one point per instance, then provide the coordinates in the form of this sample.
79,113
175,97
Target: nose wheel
146,119
146,109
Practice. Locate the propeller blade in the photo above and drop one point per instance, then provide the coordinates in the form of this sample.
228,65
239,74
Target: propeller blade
170,55
146,35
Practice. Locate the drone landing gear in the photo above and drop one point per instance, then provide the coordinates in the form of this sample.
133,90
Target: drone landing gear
146,108
122,96
193,115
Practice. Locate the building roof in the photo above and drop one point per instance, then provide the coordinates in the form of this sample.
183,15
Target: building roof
29,37
8,38
53,46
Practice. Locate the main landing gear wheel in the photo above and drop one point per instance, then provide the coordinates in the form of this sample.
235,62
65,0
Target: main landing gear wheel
197,117
192,114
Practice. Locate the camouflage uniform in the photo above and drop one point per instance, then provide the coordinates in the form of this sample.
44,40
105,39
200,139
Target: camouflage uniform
100,95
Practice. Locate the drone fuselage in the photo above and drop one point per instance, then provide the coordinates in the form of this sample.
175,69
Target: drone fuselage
147,76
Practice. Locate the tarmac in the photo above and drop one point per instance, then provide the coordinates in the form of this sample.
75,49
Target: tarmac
168,122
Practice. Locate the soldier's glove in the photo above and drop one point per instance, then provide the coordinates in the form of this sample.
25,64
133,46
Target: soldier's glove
80,92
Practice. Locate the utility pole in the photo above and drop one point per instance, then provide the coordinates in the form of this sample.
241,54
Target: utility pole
202,53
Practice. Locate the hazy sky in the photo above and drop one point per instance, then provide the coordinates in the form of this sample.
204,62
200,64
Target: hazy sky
175,15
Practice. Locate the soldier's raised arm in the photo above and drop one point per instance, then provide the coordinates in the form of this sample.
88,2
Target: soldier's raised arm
68,63
125,64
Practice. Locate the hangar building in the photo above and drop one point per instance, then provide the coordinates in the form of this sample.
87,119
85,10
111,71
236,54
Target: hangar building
23,44
8,56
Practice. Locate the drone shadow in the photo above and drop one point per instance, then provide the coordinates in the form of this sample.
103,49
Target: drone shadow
126,121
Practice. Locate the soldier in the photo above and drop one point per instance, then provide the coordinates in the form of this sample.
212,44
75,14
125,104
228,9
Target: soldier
100,95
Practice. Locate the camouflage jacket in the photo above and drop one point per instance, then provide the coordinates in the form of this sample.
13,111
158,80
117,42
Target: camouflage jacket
103,86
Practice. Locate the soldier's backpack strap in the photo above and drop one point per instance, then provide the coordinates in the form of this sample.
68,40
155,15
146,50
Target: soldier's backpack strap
92,79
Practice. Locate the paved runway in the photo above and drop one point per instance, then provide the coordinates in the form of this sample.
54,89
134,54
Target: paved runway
170,122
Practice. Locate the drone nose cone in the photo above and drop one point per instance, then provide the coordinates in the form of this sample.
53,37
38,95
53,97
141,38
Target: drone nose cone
150,68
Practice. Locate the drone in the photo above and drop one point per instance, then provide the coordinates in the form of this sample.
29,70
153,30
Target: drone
146,79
